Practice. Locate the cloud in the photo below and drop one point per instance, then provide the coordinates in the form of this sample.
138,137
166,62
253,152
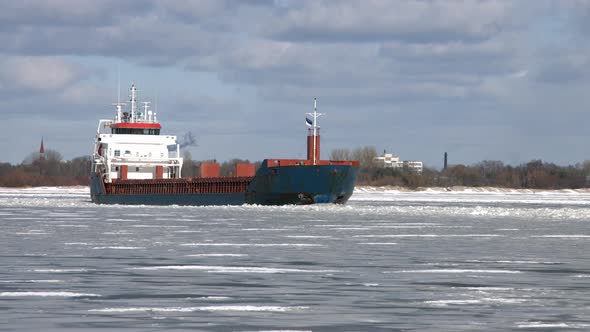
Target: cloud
82,95
78,14
38,74
406,65
452,50
189,11
137,37
143,31
201,108
564,69
374,20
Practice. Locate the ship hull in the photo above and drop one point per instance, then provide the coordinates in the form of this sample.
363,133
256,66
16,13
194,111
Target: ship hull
272,185
172,199
302,184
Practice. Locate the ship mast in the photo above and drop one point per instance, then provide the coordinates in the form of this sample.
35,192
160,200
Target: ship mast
133,102
119,105
314,132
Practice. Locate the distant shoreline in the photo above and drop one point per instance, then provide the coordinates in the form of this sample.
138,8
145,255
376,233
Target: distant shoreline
463,189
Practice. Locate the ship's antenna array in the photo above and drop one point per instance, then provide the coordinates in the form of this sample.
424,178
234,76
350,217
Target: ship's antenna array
315,115
155,107
118,83
119,105
137,112
147,113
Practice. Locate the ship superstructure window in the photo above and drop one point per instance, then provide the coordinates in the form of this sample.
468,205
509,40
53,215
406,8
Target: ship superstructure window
136,131
117,153
127,152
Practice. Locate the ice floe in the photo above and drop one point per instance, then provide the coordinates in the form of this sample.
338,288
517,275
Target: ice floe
47,294
204,308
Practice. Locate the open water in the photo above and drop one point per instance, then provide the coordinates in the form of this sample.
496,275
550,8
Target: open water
387,261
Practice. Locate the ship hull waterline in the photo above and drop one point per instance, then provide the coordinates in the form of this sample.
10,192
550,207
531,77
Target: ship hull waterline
295,185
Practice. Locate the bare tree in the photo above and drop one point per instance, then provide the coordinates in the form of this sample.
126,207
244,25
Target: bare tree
340,154
365,155
188,165
50,156
228,168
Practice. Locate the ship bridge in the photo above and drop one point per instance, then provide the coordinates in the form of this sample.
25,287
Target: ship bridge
136,128
130,145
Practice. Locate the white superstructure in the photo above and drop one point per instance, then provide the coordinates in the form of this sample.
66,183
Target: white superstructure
130,146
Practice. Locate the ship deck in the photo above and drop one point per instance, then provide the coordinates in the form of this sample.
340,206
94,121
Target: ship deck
217,185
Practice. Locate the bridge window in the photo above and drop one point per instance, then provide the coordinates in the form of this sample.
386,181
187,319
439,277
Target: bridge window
135,131
117,153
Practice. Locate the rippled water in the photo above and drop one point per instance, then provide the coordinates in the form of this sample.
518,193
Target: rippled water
387,261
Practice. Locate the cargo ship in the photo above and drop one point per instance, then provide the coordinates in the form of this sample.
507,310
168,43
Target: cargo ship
133,163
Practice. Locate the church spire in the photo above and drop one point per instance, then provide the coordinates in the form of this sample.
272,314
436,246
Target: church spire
42,150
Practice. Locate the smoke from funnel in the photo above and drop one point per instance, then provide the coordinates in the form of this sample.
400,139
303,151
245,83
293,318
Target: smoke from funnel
188,140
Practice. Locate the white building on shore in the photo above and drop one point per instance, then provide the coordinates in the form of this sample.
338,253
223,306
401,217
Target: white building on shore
388,160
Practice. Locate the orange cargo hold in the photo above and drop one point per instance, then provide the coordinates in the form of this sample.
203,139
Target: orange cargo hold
209,170
159,172
245,170
124,170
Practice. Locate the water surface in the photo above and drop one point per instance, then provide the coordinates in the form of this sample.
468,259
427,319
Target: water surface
387,261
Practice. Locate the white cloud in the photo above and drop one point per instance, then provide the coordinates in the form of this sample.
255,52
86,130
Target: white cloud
447,50
39,74
76,14
430,61
375,20
81,95
194,10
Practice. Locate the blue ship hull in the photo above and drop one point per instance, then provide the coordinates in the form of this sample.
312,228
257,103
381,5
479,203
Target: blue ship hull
272,185
302,184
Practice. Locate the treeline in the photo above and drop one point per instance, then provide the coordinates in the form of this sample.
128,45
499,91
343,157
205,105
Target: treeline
49,171
535,174
52,170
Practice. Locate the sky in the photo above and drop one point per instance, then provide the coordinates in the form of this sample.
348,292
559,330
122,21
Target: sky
481,80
